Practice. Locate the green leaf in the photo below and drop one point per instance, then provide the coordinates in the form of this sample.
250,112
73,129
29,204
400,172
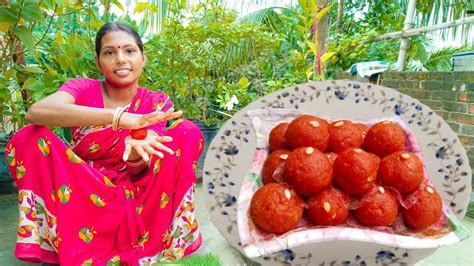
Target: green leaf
309,71
302,2
301,18
326,56
323,12
7,15
140,7
49,3
312,6
11,73
59,38
5,26
63,62
32,12
34,70
25,37
307,12
313,46
51,74
300,28
118,4
31,84
244,82
267,17
38,95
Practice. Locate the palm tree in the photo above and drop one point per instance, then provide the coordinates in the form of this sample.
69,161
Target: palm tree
439,60
154,19
434,12
440,11
428,12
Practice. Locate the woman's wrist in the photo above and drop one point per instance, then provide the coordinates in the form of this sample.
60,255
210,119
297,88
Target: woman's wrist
116,117
136,167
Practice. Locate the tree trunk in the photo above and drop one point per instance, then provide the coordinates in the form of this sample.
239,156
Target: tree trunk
323,28
407,25
107,9
322,34
418,31
340,13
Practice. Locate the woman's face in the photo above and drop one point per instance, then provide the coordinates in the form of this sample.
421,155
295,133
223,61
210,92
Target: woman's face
120,59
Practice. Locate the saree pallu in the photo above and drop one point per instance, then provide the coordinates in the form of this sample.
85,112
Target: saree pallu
79,206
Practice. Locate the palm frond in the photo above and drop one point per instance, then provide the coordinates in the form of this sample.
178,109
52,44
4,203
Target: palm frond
267,17
239,53
420,46
248,5
441,59
439,11
415,66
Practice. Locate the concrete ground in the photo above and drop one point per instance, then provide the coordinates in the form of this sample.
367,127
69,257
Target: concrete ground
458,254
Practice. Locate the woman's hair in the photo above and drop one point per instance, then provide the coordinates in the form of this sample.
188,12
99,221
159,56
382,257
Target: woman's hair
116,26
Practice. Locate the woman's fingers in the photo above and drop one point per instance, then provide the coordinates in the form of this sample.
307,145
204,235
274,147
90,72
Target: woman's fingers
162,147
152,145
127,151
142,153
164,138
150,150
170,114
169,111
135,121
159,116
177,114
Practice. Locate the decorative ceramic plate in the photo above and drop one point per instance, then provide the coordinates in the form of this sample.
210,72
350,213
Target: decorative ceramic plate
232,151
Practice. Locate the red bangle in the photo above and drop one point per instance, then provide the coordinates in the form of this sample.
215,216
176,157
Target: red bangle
136,163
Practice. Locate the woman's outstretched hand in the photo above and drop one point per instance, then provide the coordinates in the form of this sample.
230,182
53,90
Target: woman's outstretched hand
151,145
135,121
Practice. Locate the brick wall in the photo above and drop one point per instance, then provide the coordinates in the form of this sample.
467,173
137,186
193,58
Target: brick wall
449,94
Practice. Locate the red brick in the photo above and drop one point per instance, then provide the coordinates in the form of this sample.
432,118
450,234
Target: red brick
467,130
471,108
435,105
466,140
443,114
462,118
469,150
466,97
454,126
455,107
441,95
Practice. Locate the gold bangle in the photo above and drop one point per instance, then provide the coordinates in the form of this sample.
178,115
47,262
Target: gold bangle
118,118
115,119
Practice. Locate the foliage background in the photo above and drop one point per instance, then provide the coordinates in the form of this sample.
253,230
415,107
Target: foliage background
205,57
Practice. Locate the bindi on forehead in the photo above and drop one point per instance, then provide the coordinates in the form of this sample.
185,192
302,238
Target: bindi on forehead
116,46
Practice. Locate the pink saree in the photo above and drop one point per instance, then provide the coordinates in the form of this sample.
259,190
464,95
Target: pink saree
79,206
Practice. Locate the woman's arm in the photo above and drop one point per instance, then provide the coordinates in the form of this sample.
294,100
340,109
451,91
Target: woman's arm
59,109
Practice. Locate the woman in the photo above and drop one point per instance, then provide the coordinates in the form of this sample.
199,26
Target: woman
108,198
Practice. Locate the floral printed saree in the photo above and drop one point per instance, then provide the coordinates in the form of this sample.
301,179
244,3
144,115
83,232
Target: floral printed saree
79,206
